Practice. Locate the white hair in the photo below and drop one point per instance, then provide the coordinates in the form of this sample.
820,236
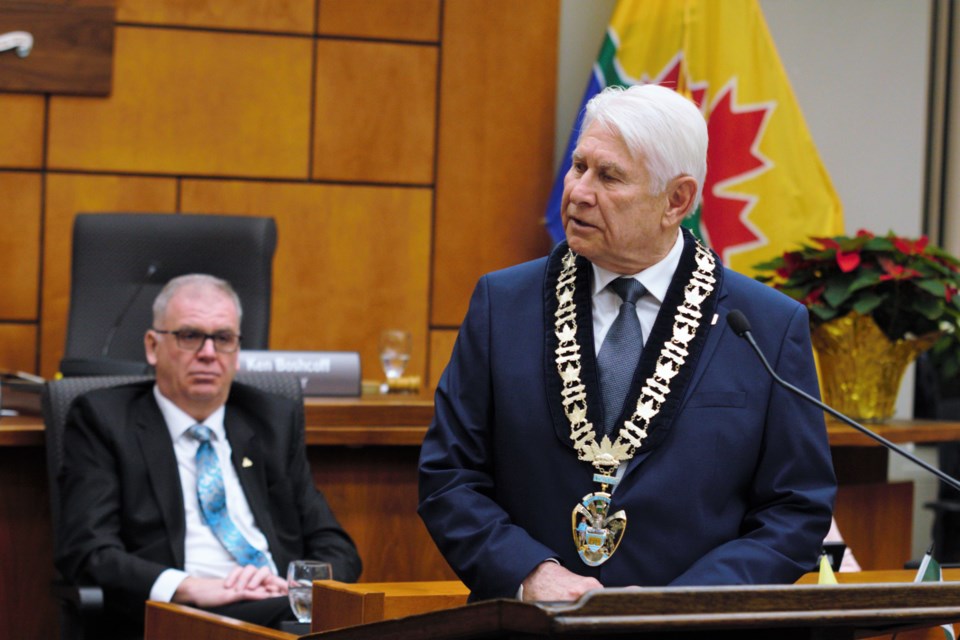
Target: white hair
658,124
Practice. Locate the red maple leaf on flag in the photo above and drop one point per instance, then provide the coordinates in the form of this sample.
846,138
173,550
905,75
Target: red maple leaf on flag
733,156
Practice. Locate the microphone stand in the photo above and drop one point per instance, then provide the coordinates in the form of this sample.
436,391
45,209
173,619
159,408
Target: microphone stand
741,326
105,350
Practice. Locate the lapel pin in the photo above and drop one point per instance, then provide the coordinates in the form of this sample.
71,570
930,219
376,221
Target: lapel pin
714,321
247,462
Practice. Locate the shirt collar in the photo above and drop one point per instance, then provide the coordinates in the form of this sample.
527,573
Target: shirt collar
656,278
178,421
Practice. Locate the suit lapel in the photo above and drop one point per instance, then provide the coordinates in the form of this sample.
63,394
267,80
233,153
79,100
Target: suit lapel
160,462
250,467
713,339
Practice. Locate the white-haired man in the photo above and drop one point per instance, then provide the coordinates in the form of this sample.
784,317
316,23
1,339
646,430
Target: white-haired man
598,424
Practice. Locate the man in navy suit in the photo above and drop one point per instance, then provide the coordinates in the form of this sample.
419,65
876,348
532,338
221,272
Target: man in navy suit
136,519
537,482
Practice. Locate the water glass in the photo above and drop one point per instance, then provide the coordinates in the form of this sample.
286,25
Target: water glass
395,346
300,577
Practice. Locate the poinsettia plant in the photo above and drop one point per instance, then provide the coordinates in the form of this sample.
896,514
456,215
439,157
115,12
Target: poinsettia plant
908,286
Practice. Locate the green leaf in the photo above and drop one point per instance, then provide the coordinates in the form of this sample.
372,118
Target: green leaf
838,289
770,265
867,278
934,287
824,314
879,243
867,303
930,308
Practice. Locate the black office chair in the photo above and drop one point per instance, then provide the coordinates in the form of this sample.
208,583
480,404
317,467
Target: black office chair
122,260
81,606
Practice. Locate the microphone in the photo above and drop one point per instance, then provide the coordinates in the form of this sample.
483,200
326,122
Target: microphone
741,326
151,270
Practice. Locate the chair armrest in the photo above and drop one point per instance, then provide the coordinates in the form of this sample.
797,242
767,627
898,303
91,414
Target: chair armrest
86,599
941,506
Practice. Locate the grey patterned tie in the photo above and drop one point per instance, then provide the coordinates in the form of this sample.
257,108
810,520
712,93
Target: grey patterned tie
620,352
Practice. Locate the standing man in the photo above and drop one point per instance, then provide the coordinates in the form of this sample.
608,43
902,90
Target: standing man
598,424
193,489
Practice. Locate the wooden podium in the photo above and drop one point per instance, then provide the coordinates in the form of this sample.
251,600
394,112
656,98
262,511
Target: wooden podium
822,612
802,611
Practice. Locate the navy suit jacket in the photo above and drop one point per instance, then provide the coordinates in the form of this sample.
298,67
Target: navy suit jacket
739,490
122,516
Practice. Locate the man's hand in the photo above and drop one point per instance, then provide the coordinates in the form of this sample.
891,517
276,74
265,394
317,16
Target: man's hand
250,578
243,583
550,582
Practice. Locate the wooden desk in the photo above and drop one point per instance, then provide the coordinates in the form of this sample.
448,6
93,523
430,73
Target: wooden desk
363,452
166,620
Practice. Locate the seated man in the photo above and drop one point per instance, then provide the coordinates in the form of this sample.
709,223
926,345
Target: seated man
195,489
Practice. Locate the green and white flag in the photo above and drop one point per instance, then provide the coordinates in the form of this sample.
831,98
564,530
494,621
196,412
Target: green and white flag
929,571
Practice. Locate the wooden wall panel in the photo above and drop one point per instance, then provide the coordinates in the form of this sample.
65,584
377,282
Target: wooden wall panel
375,112
19,245
497,97
869,525
395,545
350,261
68,195
441,346
21,136
191,102
391,19
18,347
295,16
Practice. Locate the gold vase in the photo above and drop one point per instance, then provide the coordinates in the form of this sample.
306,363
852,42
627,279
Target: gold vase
860,368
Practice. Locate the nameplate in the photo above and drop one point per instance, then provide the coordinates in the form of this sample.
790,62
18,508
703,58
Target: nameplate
321,373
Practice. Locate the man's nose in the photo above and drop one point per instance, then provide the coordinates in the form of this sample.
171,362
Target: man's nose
207,349
583,192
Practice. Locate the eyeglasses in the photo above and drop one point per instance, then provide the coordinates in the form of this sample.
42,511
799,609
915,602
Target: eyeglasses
193,340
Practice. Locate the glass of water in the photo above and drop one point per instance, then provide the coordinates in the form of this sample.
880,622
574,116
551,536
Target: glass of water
300,577
395,347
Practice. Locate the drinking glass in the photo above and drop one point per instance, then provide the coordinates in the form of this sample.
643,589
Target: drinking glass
300,577
394,352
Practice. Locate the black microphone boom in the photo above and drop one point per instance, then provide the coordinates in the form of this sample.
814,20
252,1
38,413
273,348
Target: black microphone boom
151,270
741,326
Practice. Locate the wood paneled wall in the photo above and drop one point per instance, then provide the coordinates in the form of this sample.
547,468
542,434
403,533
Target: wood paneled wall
404,148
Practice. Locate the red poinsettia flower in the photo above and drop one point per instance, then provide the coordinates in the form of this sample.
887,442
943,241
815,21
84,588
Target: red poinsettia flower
894,271
862,268
826,243
911,248
848,260
813,296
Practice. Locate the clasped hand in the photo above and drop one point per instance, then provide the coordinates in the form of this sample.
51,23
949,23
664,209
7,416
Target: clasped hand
550,582
243,583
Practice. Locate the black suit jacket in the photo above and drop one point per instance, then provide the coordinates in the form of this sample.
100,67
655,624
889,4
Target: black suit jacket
122,515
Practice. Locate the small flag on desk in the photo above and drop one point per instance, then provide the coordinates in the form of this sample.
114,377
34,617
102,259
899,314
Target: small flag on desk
929,571
826,571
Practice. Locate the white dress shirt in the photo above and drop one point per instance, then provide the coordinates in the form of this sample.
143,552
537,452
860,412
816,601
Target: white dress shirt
656,278
204,556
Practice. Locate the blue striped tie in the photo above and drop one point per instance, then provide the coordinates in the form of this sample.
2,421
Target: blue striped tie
620,352
213,502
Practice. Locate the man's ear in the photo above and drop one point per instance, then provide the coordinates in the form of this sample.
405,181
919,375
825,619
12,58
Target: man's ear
150,347
681,194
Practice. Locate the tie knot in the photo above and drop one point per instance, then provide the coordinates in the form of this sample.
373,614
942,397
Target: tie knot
200,432
628,289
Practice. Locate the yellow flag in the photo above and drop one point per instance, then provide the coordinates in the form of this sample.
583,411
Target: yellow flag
766,188
826,571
